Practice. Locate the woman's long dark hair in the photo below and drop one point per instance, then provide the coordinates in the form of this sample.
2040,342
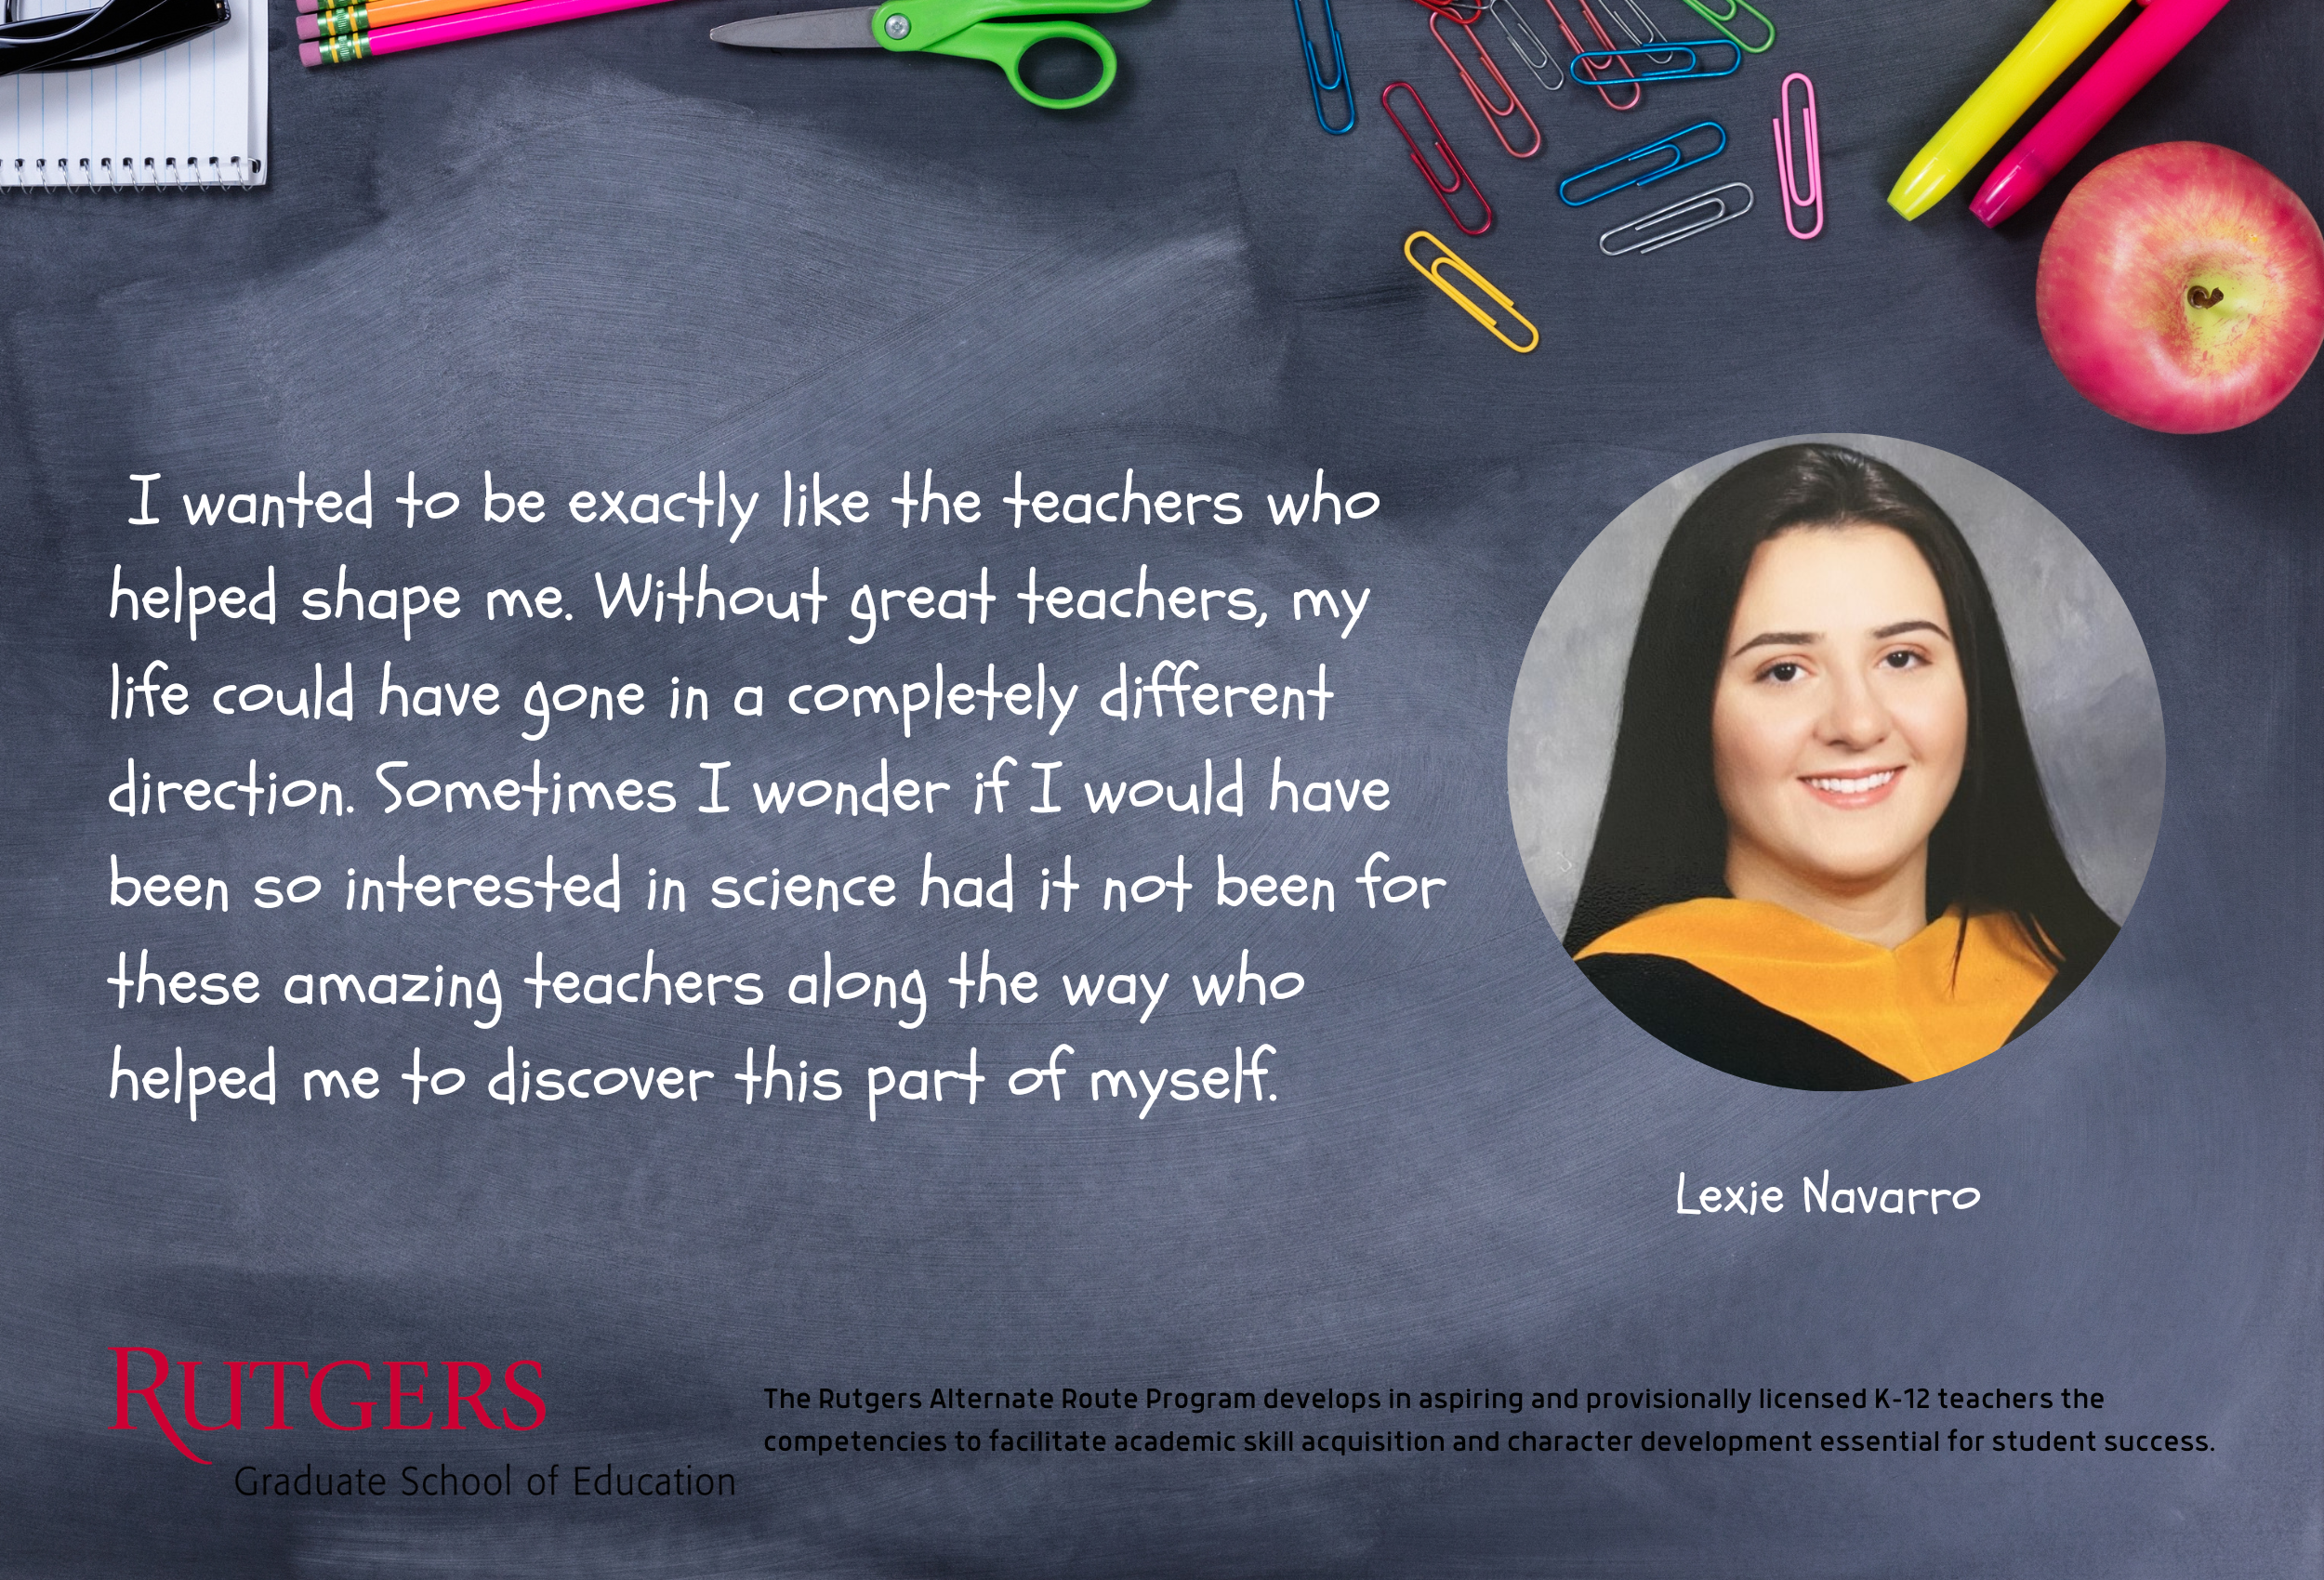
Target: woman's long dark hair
1662,837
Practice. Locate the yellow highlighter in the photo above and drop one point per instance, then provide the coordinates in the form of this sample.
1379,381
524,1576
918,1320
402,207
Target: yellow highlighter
2065,31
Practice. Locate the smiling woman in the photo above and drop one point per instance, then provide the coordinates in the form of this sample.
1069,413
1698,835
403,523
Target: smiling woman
1835,750
1823,857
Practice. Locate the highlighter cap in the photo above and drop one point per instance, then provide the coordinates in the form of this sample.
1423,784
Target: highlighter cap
1918,190
2010,188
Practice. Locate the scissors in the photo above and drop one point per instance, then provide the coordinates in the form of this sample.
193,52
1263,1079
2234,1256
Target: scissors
942,27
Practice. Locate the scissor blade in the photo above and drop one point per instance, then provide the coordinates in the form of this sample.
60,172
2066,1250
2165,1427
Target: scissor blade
848,29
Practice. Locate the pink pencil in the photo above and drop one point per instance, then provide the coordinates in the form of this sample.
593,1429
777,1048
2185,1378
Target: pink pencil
450,29
2146,46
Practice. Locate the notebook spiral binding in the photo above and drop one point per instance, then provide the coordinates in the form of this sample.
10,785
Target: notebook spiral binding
189,118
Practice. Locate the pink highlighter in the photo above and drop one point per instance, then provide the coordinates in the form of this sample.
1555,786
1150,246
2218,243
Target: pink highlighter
2145,48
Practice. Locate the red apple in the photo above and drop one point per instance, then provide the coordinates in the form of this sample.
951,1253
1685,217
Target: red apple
2182,288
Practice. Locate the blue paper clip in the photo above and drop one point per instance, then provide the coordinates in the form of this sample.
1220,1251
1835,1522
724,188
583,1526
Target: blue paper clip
1668,145
1691,68
1316,87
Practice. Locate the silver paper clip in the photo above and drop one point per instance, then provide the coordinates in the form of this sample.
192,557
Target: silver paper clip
1718,212
1529,46
1786,169
1652,35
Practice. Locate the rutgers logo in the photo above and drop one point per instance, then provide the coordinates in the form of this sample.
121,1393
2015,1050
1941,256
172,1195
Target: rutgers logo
467,1392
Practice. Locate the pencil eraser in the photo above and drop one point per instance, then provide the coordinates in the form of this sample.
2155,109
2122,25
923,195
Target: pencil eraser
310,54
310,5
310,25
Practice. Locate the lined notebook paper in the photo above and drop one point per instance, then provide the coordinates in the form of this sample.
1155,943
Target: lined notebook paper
191,115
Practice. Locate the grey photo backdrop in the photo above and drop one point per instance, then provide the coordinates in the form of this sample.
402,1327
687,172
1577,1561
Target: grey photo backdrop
2082,673
609,254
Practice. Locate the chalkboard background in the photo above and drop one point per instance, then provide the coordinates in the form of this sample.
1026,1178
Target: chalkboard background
612,256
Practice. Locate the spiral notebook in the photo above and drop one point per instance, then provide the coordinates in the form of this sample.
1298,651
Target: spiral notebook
189,116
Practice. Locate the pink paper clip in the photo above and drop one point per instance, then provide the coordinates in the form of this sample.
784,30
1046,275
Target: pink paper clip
1793,196
1460,177
1510,105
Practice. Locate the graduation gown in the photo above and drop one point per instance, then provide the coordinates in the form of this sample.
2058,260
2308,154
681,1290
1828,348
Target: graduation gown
1762,992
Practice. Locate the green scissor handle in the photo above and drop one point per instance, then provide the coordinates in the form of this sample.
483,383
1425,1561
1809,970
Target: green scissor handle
1004,44
969,29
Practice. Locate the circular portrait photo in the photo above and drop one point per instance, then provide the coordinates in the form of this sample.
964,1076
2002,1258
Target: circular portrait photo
1836,762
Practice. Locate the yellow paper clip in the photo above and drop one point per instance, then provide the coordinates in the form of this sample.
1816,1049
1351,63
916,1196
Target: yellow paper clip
1449,257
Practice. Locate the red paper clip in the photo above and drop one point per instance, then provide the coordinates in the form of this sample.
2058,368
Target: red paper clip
1452,11
1460,177
1510,105
1606,41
